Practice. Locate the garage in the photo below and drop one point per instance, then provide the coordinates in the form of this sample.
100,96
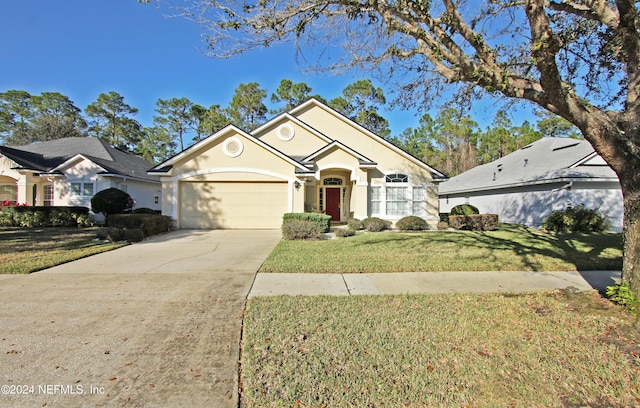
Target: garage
233,205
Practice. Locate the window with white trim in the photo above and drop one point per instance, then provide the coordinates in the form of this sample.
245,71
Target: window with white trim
376,199
419,201
81,189
8,192
397,196
47,193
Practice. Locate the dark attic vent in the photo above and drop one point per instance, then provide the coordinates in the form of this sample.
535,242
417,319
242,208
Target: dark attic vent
565,146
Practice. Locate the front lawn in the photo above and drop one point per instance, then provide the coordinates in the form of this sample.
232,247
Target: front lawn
557,349
26,250
512,248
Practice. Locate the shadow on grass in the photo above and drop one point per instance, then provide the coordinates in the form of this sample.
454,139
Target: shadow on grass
597,251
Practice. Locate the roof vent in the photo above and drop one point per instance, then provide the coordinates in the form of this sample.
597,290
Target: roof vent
526,162
499,167
565,146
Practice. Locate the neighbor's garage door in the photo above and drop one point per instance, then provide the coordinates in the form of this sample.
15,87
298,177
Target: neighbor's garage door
232,205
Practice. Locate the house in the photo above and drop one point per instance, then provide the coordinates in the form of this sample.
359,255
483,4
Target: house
526,185
308,159
68,172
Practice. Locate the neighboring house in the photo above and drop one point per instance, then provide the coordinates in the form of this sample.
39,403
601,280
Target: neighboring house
309,159
526,185
68,172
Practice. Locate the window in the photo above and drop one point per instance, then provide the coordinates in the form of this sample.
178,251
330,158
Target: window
8,192
332,181
78,189
376,199
47,199
420,201
397,201
396,178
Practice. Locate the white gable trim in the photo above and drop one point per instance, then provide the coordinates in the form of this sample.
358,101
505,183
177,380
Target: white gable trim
209,140
72,161
287,116
340,146
391,146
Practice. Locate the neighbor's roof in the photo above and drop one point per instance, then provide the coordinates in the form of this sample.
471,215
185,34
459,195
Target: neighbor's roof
548,160
47,156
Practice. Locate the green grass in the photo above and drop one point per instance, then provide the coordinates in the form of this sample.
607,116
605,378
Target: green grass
28,250
513,247
552,349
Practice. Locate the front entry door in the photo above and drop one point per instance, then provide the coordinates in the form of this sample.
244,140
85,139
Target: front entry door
333,203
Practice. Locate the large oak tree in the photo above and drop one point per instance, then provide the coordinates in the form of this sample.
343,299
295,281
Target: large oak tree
578,59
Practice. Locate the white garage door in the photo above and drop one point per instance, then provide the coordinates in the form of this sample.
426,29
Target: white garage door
232,205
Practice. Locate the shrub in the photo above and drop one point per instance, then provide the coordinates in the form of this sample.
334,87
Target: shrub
412,223
39,216
375,224
474,222
321,221
115,234
111,201
144,210
345,232
134,235
578,219
622,295
442,225
147,223
354,224
464,209
300,229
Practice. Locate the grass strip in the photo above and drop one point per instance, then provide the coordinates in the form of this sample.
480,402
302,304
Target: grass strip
512,248
26,250
549,349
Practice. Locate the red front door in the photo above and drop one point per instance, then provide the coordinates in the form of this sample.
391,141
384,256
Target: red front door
333,203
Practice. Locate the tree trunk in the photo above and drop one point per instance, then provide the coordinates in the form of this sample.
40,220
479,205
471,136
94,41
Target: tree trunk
631,233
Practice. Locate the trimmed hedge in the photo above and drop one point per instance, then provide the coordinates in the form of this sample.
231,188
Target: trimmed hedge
464,209
146,225
295,229
321,221
412,223
40,216
375,224
474,222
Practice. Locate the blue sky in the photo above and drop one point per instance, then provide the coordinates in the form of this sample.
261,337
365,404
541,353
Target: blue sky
82,48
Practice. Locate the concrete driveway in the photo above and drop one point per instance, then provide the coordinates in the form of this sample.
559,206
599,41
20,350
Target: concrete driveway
152,324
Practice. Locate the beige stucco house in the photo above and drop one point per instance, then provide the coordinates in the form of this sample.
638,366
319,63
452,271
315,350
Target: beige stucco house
309,159
69,171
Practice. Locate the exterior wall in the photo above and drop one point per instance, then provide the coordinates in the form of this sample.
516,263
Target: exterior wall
531,205
215,162
388,161
302,144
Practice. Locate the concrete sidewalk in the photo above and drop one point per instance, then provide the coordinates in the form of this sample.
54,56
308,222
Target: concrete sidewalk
273,284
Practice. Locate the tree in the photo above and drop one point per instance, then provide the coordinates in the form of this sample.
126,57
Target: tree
26,118
291,94
360,101
177,116
554,126
16,112
577,59
213,119
247,109
111,121
156,146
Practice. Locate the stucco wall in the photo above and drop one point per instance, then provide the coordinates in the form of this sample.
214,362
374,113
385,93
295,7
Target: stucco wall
531,205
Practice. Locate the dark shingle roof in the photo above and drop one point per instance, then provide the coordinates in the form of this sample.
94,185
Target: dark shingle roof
46,156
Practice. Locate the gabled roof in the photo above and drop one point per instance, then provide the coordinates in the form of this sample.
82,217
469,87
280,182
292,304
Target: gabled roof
364,161
548,160
165,167
286,116
51,156
436,174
